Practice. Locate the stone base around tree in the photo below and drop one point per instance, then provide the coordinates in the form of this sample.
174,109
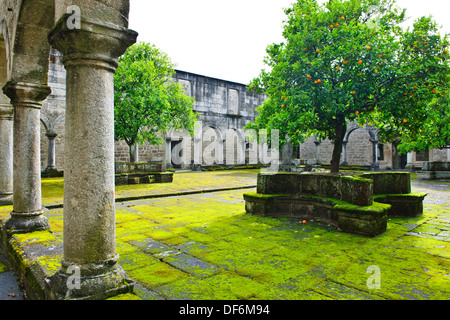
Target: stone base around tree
351,204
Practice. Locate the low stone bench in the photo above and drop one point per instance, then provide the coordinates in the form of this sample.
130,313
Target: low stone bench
141,173
143,178
394,188
352,204
434,171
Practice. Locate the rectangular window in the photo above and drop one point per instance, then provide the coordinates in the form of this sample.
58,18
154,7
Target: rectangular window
423,156
380,152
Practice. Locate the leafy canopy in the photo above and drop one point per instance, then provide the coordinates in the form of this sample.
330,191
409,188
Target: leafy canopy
147,100
351,61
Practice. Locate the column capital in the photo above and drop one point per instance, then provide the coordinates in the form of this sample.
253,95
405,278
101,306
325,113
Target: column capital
51,135
24,94
93,42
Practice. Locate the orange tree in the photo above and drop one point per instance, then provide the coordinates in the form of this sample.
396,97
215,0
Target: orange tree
351,61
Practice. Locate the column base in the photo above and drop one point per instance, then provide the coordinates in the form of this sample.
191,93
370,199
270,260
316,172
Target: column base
6,199
105,282
27,222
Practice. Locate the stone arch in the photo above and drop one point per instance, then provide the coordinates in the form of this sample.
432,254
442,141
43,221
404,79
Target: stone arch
212,143
178,148
31,50
45,123
372,151
5,53
235,146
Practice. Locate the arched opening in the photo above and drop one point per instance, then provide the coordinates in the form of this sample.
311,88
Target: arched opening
212,143
359,147
234,148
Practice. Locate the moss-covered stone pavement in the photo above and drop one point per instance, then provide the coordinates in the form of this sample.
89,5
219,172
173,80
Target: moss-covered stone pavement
202,246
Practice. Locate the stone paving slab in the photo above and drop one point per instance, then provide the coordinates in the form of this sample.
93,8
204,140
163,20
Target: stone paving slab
204,247
9,286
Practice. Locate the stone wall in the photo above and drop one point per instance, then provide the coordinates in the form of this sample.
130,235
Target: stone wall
221,105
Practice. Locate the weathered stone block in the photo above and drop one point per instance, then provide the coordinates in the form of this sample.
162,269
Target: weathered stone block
390,182
133,180
403,205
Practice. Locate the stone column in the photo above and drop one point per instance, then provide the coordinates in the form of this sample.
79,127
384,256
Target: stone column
375,166
168,153
409,162
6,154
317,143
344,147
51,158
27,203
90,59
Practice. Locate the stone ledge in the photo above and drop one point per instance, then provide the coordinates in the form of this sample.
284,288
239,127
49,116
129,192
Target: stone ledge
433,175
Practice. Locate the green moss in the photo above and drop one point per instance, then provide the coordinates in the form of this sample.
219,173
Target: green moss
126,296
413,194
3,267
375,207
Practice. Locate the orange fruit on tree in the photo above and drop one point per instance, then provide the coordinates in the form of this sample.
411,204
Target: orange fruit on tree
342,18
286,99
337,25
368,48
282,105
433,91
405,121
331,26
345,62
318,50
357,112
353,92
360,62
338,68
309,76
425,43
446,51
379,56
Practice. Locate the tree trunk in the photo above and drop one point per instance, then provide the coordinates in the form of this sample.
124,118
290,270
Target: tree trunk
337,150
134,153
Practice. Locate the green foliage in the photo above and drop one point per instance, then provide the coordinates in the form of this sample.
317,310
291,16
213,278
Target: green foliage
434,132
351,61
147,101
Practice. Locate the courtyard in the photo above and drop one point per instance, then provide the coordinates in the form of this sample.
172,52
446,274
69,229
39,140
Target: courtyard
192,240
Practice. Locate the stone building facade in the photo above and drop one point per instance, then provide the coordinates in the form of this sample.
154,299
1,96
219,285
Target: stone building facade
223,108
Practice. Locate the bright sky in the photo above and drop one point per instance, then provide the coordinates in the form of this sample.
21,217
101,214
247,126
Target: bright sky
227,39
